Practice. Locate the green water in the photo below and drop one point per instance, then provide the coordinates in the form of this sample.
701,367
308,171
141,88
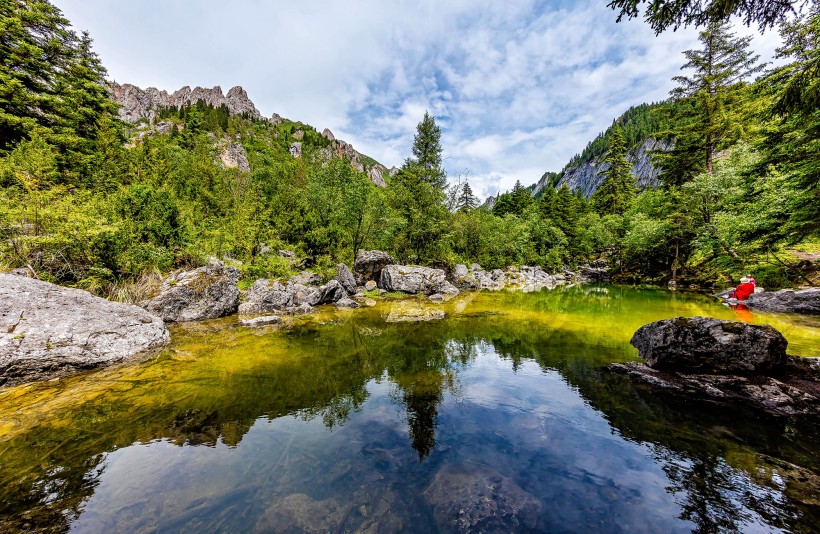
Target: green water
343,421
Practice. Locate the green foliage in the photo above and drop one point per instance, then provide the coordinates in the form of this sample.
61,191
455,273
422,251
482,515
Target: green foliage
615,194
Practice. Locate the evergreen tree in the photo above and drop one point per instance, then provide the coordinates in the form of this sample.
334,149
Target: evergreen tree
466,200
717,70
618,188
427,153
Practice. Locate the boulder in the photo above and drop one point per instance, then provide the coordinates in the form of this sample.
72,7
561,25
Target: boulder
347,303
707,345
345,277
48,331
369,265
787,300
265,320
479,499
412,279
370,285
328,293
307,278
204,293
266,296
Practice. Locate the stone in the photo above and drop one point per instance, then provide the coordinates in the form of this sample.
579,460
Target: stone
204,293
266,296
412,279
265,320
345,277
287,254
295,149
412,312
369,265
707,345
307,278
370,285
47,331
368,302
233,156
329,293
805,301
437,297
472,498
347,303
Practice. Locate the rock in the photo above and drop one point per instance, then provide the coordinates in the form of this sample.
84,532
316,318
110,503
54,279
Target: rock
300,513
368,302
794,392
295,149
460,271
449,290
22,271
48,331
302,309
233,156
266,296
706,345
307,278
412,312
479,499
261,321
347,303
359,295
204,293
436,297
287,254
369,265
787,300
412,279
329,293
370,285
345,277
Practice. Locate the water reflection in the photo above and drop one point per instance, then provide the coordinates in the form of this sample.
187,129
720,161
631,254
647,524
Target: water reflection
348,425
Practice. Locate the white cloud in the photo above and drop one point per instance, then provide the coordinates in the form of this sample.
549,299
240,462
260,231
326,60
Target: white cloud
517,87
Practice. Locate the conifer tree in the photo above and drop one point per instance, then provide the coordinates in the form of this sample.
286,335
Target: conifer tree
618,188
427,153
466,200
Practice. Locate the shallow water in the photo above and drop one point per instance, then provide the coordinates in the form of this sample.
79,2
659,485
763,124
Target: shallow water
344,422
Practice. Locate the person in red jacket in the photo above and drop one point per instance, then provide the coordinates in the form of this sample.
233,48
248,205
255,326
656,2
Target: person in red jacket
743,291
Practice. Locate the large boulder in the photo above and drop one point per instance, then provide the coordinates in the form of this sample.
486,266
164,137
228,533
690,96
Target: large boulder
204,293
267,296
369,265
48,331
707,345
345,277
475,277
787,300
413,279
479,499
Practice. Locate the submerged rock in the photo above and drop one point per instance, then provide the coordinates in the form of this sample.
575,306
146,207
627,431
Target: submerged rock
412,312
787,300
204,293
479,499
48,331
707,345
369,265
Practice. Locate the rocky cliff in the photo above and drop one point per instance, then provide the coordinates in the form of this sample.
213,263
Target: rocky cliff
140,103
588,176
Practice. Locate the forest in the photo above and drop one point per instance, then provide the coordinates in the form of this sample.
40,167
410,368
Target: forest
89,201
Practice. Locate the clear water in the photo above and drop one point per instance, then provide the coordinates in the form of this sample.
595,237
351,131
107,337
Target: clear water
345,422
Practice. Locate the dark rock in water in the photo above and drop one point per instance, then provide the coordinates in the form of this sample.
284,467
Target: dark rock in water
204,293
787,300
413,279
48,331
794,391
300,513
345,277
706,345
479,499
369,265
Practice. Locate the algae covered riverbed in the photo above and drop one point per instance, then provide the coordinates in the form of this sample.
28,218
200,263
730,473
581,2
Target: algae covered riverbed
348,421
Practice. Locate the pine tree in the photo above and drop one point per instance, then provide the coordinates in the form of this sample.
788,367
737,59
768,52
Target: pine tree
706,117
618,188
466,200
427,153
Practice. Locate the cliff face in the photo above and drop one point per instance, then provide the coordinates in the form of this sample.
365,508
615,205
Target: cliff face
140,103
588,176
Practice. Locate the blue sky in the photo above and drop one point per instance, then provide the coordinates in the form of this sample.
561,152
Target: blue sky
517,87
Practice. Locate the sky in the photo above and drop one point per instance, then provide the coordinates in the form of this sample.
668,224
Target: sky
517,87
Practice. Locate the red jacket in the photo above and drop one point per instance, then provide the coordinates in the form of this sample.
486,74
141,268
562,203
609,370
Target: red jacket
743,291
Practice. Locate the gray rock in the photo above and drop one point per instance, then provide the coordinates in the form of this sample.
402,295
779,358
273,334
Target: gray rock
330,293
261,321
287,254
412,312
369,265
295,149
706,345
460,271
412,279
266,296
787,300
479,499
345,277
48,331
204,293
233,156
436,297
448,290
370,285
368,302
347,303
307,278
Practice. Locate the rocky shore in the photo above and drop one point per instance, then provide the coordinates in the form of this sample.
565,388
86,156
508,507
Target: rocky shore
725,361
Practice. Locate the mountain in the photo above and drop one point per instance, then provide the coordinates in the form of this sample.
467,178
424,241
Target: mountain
145,105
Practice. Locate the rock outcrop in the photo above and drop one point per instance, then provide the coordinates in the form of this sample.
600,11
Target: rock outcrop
415,280
369,265
479,499
728,361
707,345
137,104
267,296
233,156
48,331
787,300
345,277
204,293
